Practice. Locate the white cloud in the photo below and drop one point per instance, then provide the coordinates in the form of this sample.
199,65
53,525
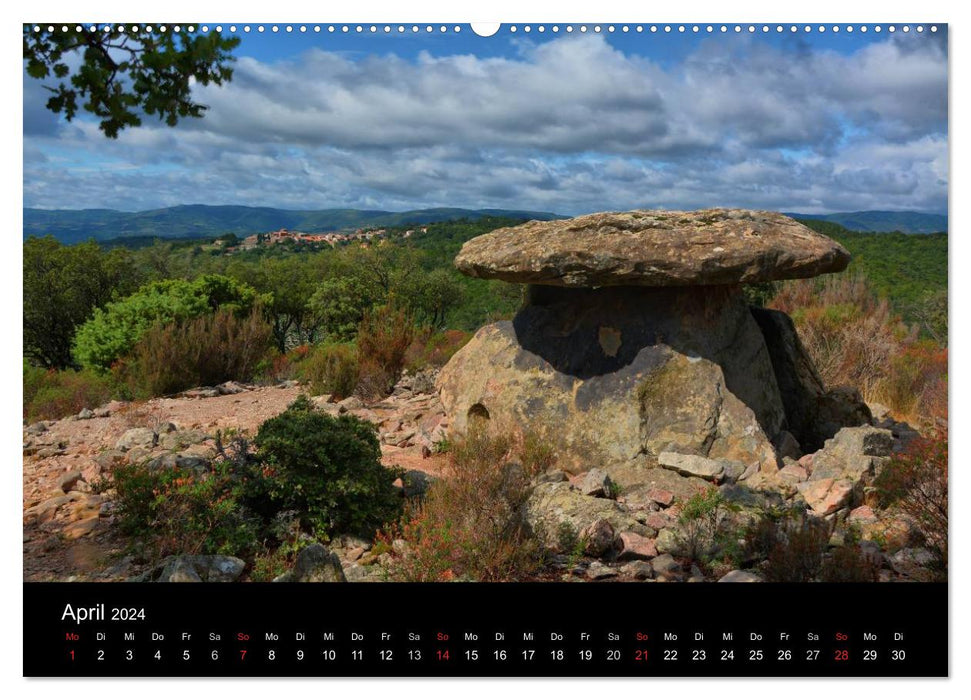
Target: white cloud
568,125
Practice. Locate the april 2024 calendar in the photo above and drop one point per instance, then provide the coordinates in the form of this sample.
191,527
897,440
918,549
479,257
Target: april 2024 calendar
348,325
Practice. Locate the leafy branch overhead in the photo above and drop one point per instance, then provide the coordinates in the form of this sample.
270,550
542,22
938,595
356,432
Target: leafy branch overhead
119,75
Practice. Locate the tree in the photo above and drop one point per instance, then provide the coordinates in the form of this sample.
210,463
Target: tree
126,72
63,285
112,332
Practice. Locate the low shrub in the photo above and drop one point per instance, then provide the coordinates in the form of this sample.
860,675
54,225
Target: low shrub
795,547
331,368
54,394
431,349
326,469
183,511
855,339
202,351
383,339
850,563
277,366
706,530
468,526
914,485
535,452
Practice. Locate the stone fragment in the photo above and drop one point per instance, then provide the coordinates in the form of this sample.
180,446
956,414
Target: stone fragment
692,465
596,483
599,538
739,576
137,437
826,496
67,482
316,564
634,546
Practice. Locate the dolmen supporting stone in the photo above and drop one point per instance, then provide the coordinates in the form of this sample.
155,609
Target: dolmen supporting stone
636,339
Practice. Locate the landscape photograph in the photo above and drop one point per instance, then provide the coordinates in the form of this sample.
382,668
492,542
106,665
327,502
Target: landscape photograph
403,303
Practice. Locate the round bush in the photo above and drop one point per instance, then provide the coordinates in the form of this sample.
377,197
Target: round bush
326,469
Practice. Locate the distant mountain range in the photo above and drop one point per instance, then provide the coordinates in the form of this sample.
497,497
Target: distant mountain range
883,221
200,220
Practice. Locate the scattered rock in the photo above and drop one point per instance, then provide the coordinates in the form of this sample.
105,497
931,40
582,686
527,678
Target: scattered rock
863,514
193,568
85,414
739,576
80,528
551,476
662,497
665,566
826,496
315,564
693,465
144,438
69,481
230,388
596,483
415,483
36,428
634,546
109,459
351,403
202,392
555,508
599,537
598,571
639,570
793,473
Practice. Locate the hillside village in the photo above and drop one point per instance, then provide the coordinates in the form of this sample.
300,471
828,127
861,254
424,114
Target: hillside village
332,238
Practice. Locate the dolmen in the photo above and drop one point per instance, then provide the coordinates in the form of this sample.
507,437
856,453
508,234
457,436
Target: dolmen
636,340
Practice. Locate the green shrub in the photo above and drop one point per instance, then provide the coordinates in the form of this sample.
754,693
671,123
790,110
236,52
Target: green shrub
705,527
326,469
113,331
174,510
331,369
53,394
203,351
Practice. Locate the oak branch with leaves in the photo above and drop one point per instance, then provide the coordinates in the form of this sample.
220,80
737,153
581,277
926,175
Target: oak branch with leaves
122,74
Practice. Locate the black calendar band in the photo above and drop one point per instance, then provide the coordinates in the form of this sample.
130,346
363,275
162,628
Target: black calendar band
463,629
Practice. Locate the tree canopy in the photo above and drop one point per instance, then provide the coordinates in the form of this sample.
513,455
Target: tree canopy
124,72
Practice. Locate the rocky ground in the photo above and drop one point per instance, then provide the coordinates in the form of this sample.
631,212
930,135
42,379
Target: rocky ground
67,525
613,522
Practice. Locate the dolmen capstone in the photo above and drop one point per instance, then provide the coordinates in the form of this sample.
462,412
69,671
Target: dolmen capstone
635,339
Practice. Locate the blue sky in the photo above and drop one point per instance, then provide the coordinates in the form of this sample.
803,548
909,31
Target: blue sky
566,122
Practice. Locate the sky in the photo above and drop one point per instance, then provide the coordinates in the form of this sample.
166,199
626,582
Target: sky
562,122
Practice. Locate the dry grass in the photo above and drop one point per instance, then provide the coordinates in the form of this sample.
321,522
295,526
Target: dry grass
468,526
855,339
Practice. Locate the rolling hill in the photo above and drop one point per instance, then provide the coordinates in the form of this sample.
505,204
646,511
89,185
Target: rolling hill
199,220
883,221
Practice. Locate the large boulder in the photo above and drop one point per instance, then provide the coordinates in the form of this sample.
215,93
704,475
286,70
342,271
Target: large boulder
315,564
813,413
608,374
653,249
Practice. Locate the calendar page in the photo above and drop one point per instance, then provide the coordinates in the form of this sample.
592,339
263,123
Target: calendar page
547,349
